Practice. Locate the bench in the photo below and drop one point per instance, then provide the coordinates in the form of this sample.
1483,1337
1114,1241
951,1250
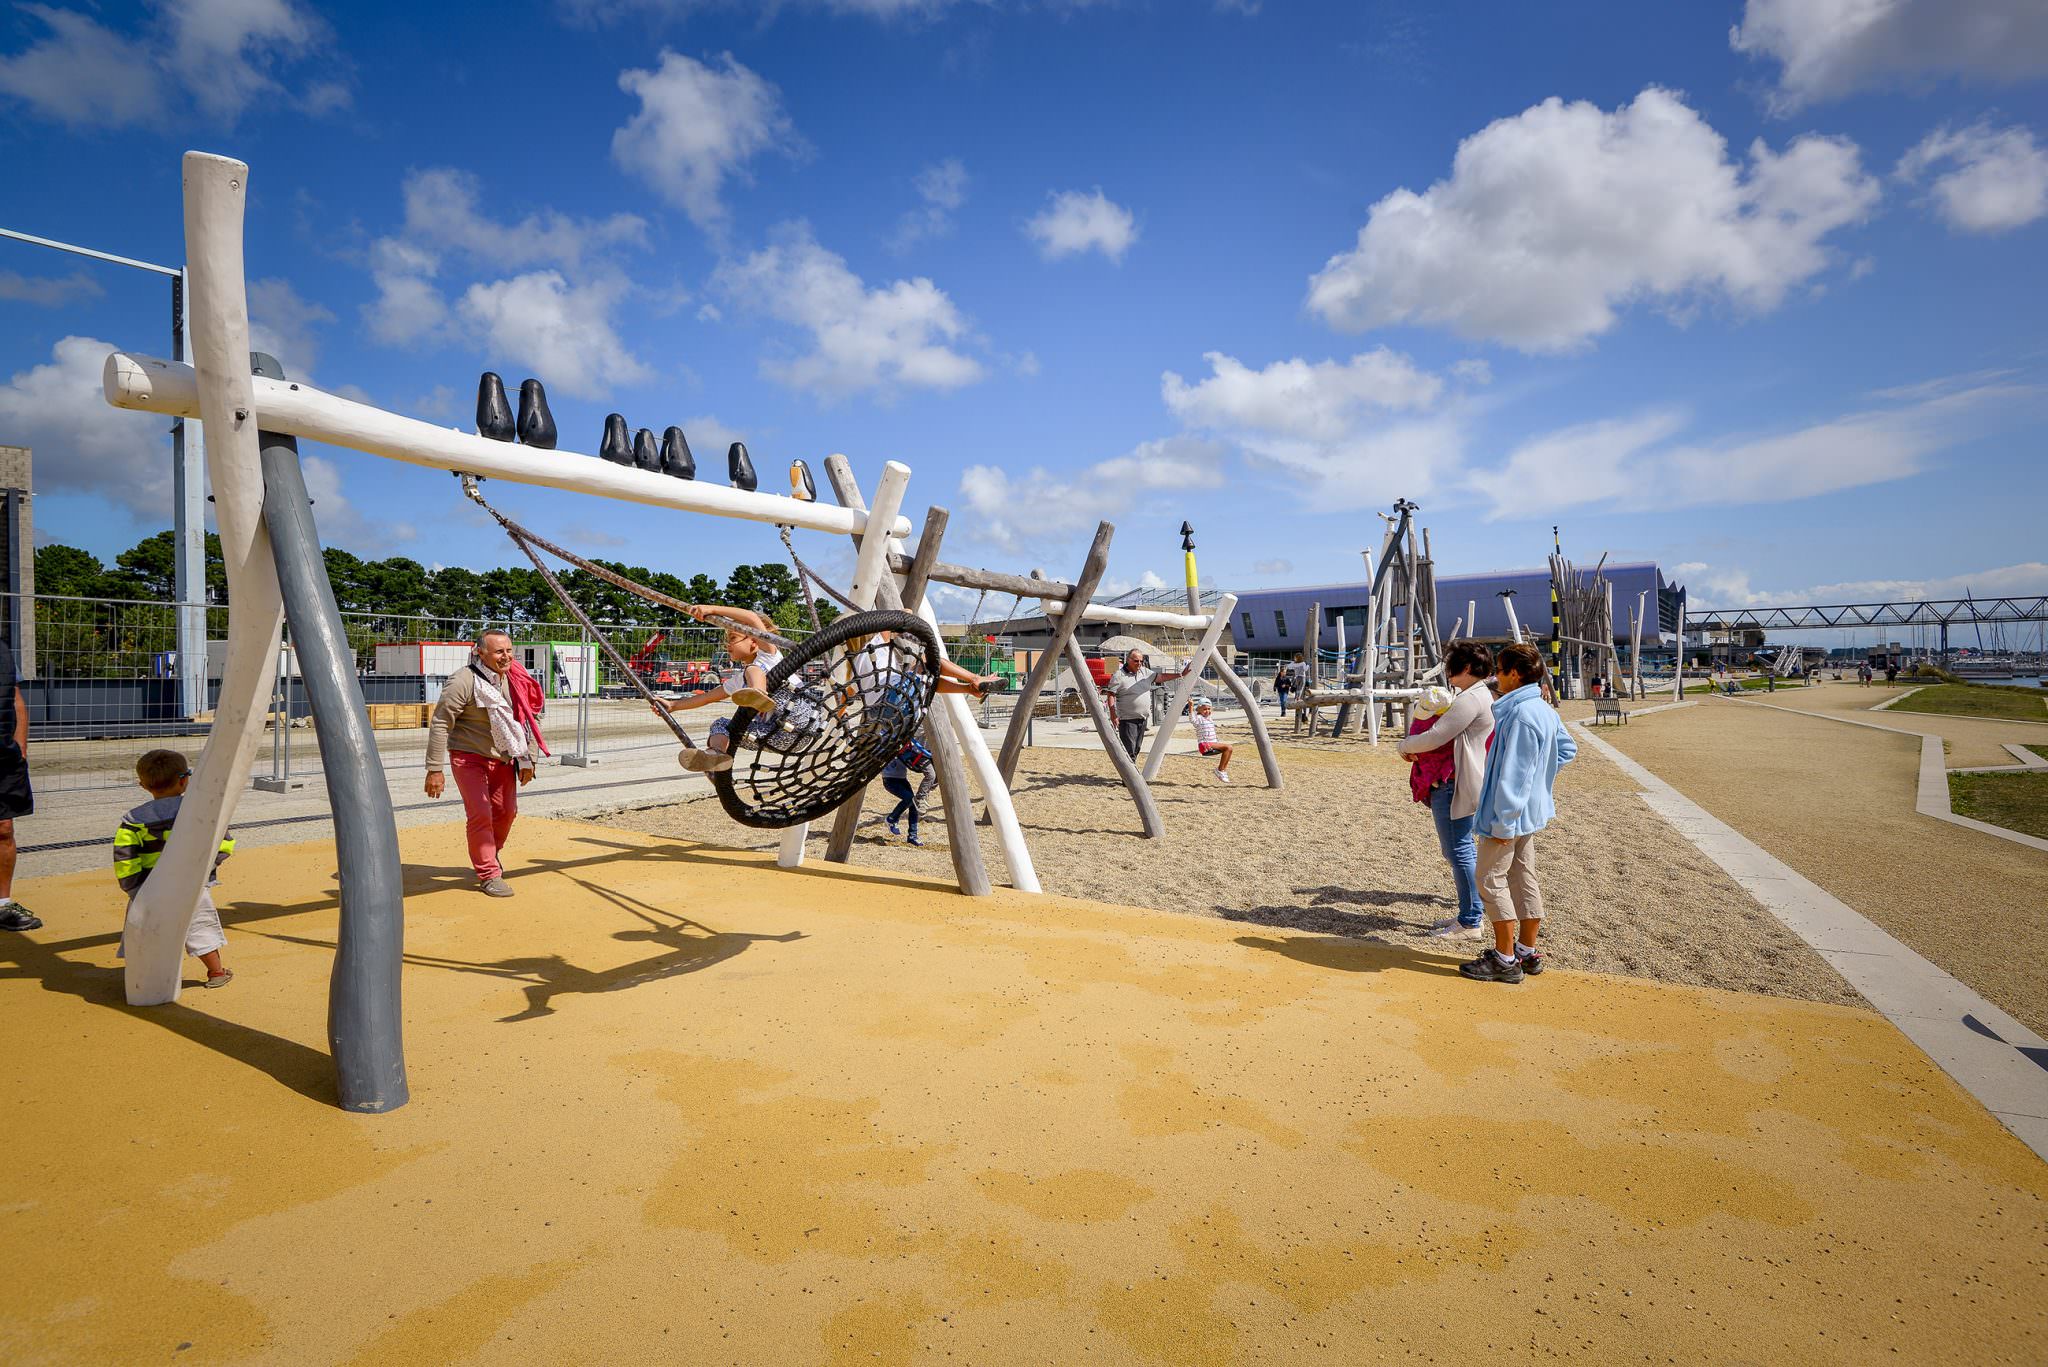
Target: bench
1609,709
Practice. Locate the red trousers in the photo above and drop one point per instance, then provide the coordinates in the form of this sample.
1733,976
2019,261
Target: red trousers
490,797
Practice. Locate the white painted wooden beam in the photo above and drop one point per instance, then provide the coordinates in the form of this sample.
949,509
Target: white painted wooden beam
153,385
216,198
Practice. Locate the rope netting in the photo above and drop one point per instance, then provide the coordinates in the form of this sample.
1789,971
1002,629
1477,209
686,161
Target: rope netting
847,701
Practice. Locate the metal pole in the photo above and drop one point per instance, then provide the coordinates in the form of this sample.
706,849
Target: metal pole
586,678
279,780
188,532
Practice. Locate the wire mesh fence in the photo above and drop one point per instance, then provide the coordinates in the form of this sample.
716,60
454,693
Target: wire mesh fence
100,679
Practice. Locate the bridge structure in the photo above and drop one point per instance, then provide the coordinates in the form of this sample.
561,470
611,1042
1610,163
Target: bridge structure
1937,613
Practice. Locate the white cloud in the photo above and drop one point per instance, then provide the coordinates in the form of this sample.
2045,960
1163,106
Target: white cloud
557,330
1075,222
219,56
1635,464
283,324
697,127
1349,435
1272,567
942,187
558,321
340,520
1829,48
48,291
1472,370
710,439
1040,508
82,443
1322,401
902,335
441,212
1999,179
1554,219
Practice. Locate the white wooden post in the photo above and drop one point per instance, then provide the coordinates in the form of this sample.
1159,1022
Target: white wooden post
216,198
868,568
1472,614
1678,660
1218,620
1514,626
1635,643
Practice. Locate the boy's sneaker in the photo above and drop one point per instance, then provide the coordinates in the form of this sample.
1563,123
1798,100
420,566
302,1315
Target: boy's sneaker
18,917
1222,776
895,829
914,840
1453,929
495,887
1491,968
1531,960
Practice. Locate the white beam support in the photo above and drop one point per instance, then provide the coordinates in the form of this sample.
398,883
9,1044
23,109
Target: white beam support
1185,686
869,567
1137,617
216,198
153,385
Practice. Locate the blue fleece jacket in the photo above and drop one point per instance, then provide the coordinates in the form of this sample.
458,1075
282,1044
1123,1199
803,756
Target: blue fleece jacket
1530,745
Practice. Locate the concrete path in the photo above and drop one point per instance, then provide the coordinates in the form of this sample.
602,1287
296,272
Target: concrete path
1970,741
1996,1059
673,1104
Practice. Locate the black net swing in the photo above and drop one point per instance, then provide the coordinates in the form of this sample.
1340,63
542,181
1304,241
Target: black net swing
848,698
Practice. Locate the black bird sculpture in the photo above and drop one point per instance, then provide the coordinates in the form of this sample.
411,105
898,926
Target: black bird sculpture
801,485
740,467
617,446
645,455
675,455
536,423
493,413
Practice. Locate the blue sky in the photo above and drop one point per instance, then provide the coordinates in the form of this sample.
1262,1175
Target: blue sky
1750,288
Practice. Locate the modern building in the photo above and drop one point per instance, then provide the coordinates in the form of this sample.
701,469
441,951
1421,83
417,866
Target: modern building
1273,623
1034,632
18,557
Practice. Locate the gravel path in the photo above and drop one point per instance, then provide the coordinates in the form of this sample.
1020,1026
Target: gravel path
1344,850
1836,803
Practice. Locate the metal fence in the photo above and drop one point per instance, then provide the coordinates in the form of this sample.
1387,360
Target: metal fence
101,685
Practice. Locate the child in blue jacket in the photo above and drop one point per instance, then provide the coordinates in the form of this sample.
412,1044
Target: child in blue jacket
912,759
1529,746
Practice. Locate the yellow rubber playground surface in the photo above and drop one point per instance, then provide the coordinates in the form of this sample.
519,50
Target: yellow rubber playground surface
672,1104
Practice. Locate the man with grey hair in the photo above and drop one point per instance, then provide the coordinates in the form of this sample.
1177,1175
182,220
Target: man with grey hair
1130,688
476,733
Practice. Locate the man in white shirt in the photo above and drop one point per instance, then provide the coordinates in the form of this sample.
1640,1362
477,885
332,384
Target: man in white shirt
1130,688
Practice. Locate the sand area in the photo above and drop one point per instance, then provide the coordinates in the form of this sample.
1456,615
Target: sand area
1343,849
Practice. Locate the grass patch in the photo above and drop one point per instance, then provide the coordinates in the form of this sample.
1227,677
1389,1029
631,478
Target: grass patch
2018,802
1978,700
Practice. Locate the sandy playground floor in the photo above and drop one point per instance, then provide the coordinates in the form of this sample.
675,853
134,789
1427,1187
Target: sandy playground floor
1342,849
673,1104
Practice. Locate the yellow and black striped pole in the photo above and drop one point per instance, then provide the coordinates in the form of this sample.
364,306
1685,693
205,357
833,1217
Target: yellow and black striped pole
1557,685
1187,552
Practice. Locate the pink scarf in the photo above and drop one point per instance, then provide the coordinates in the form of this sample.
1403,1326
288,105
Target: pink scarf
528,702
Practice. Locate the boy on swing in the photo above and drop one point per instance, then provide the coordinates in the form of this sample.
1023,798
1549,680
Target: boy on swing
746,685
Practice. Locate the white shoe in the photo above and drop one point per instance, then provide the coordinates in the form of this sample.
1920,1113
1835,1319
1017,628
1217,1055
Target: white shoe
1222,776
1451,930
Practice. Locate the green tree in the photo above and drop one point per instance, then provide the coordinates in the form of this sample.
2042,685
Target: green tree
150,568
68,572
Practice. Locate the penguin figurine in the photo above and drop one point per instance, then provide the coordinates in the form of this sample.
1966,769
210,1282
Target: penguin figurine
617,446
536,423
644,453
676,459
801,485
493,412
740,467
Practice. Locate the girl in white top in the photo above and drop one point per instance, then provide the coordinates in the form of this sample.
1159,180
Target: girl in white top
1205,740
746,684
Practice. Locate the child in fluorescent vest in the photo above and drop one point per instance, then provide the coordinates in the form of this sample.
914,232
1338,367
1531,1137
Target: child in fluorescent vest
139,843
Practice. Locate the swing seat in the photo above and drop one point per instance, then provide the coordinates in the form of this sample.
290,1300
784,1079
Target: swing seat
845,707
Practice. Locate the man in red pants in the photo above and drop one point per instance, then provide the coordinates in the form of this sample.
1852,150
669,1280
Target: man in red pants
475,732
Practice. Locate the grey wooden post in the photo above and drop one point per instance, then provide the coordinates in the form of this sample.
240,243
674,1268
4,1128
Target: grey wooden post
970,871
365,1021
1126,767
1063,628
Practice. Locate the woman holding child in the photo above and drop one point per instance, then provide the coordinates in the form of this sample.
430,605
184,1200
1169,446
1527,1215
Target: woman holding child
1449,755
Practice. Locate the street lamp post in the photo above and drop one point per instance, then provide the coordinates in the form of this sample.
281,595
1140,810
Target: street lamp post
188,497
